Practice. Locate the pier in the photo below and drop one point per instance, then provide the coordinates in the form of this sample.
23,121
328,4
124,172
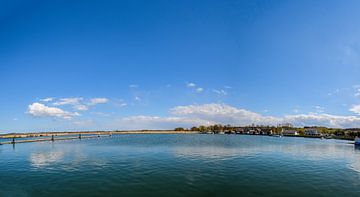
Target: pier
56,136
13,141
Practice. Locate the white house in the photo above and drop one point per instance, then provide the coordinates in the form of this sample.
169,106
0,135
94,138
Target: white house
289,132
311,131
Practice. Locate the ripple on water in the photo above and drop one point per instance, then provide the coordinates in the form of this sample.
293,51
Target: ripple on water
181,165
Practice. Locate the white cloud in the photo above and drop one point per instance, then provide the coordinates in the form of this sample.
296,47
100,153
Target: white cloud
224,114
80,107
194,115
68,101
194,87
41,110
119,103
199,89
319,109
323,120
49,99
95,101
190,85
220,92
355,109
123,104
357,93
133,86
78,104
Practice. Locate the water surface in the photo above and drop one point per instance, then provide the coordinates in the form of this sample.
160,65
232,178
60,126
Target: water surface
181,165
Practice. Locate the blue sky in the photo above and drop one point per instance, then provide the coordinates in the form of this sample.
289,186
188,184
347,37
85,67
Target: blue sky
69,65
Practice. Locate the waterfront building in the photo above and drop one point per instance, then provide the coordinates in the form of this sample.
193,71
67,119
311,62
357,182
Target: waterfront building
285,125
311,131
289,132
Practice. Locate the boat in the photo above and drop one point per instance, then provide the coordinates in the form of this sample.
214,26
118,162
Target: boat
357,141
277,135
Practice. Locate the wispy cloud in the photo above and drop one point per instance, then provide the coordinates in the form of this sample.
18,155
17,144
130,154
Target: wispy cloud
49,99
190,84
319,109
199,89
220,92
194,87
68,101
133,86
296,110
80,107
95,101
357,92
120,103
77,103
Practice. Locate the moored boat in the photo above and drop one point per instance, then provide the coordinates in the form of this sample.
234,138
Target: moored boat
357,141
277,135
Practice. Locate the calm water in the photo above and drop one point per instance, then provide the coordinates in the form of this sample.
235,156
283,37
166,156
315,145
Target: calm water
181,165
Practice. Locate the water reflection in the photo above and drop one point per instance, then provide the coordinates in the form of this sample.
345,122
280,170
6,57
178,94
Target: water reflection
42,159
355,159
62,157
310,149
213,152
357,148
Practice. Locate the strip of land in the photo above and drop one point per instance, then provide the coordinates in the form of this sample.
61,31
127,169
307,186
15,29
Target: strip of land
278,131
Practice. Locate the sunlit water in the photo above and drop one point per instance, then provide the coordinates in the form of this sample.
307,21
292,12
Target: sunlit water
181,165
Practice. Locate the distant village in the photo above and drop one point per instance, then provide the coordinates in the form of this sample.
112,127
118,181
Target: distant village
286,129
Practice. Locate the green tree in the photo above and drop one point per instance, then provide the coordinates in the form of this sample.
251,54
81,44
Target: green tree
179,129
194,129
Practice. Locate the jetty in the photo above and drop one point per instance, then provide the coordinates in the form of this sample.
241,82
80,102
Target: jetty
16,138
13,141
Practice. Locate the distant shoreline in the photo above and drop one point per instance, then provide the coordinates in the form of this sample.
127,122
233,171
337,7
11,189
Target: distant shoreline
14,138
